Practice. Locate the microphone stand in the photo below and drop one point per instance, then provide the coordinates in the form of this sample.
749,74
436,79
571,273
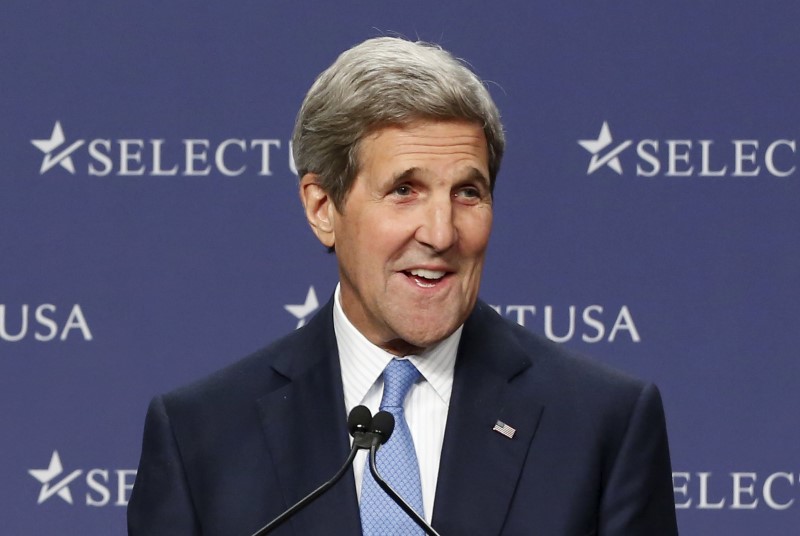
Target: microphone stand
272,525
373,468
364,437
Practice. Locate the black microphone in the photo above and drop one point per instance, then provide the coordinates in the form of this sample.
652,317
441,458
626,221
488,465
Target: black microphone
382,427
358,423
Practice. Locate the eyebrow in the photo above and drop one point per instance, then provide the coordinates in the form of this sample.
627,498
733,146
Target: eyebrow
477,176
473,174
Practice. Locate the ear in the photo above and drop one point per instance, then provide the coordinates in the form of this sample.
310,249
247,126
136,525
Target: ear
319,208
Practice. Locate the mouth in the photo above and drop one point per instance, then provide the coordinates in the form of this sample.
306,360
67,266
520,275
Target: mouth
426,278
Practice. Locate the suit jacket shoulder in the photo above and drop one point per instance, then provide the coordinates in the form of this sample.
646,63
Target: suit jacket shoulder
228,453
588,451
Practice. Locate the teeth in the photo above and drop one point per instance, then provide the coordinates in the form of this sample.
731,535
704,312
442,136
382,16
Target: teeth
427,274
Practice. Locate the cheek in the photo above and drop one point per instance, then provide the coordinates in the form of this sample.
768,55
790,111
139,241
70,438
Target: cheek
475,235
388,236
368,247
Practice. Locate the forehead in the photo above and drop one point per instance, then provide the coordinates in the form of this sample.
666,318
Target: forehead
426,143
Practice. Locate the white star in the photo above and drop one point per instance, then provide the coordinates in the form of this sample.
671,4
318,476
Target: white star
602,141
56,139
46,475
49,145
302,311
595,146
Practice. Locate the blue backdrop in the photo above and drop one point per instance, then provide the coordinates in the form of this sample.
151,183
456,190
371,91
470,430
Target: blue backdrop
150,229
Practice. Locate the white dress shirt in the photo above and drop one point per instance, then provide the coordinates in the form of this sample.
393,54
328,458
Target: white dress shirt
426,405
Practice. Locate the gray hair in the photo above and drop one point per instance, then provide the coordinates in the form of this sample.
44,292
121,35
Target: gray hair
380,82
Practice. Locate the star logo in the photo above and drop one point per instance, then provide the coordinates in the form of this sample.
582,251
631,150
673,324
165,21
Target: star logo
302,311
49,146
45,476
610,158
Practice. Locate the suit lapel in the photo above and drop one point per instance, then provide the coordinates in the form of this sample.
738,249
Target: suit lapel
305,427
306,431
480,467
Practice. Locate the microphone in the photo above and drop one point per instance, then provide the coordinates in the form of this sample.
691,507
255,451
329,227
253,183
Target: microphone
358,424
382,427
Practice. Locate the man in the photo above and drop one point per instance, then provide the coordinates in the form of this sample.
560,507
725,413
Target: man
398,146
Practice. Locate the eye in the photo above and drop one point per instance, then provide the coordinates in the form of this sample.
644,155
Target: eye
469,194
403,190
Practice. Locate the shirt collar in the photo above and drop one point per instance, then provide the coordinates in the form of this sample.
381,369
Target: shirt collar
362,362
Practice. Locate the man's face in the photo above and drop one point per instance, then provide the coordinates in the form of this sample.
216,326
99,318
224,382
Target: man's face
412,235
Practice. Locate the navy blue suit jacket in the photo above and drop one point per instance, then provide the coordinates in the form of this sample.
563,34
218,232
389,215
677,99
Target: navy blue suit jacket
590,455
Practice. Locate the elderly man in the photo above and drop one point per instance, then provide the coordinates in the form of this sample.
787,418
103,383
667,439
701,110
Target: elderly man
398,146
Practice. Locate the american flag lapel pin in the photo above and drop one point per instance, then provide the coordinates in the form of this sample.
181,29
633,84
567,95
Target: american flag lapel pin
502,428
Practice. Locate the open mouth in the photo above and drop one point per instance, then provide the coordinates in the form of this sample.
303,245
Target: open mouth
425,278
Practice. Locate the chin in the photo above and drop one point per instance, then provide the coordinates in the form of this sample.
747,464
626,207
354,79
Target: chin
425,327
427,337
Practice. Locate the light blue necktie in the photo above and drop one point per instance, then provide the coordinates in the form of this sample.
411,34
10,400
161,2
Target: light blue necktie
397,463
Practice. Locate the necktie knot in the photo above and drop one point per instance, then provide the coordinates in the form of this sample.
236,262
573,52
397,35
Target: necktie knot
398,377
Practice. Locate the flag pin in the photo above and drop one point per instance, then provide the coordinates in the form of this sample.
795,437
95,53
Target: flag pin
502,428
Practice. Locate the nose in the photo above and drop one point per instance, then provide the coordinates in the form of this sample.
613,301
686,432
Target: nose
437,228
